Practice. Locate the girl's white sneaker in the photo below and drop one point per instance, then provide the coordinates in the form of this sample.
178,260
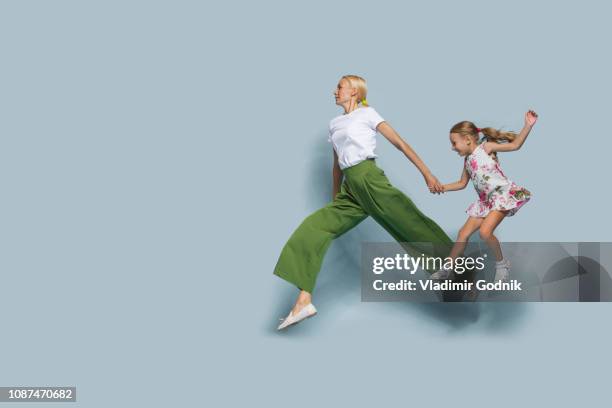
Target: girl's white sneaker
442,274
307,311
502,271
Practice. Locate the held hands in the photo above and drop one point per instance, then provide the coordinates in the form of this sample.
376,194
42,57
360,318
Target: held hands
433,184
530,118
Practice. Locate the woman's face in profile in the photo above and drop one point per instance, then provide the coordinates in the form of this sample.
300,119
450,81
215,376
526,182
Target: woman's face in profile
343,92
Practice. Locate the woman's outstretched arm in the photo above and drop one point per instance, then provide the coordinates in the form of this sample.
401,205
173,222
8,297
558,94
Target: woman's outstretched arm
336,176
392,136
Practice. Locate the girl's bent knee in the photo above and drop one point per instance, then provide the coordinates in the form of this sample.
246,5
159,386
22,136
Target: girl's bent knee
486,235
463,236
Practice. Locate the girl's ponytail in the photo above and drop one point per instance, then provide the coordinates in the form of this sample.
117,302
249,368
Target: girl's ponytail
497,136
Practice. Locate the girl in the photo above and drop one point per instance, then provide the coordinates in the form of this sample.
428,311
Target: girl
365,191
498,197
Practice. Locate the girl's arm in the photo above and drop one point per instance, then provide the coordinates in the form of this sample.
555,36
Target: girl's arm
458,185
392,136
530,119
336,176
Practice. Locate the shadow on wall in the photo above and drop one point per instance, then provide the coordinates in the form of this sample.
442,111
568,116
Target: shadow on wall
339,284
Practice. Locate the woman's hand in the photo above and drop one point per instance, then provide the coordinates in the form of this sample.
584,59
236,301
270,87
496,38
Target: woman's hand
433,184
531,118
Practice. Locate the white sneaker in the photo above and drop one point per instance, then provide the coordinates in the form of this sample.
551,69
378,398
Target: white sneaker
307,311
442,274
502,271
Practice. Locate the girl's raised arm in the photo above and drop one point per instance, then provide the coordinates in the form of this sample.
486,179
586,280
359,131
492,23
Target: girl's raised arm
392,136
530,119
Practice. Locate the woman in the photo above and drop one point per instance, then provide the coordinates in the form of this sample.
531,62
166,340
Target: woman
365,191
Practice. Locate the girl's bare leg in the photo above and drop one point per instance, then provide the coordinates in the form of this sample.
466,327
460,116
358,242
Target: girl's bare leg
470,226
490,222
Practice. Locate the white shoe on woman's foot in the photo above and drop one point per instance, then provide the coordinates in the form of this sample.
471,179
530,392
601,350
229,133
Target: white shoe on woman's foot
307,311
502,271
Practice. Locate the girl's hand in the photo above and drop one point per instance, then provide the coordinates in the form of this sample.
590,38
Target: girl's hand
433,184
531,118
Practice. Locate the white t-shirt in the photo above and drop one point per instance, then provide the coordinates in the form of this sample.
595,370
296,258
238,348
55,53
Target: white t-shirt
353,135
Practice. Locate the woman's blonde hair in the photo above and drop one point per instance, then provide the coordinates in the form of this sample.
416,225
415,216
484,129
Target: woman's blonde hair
469,129
358,83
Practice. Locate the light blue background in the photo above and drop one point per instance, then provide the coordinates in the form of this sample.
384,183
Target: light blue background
155,157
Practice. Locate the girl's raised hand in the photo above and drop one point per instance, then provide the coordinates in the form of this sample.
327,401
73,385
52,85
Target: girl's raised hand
531,118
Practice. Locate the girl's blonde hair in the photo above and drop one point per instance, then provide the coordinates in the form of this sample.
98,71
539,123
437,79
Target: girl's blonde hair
360,84
469,129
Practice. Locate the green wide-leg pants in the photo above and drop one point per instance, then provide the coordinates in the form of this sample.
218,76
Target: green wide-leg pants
365,191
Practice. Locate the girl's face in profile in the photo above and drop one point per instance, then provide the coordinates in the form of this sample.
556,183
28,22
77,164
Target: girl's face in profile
460,144
343,92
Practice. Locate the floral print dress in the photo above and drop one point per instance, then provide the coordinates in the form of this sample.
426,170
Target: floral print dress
495,190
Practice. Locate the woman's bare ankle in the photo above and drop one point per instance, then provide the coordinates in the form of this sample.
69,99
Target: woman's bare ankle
304,298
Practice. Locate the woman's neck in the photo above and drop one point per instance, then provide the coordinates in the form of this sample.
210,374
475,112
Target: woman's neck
351,106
